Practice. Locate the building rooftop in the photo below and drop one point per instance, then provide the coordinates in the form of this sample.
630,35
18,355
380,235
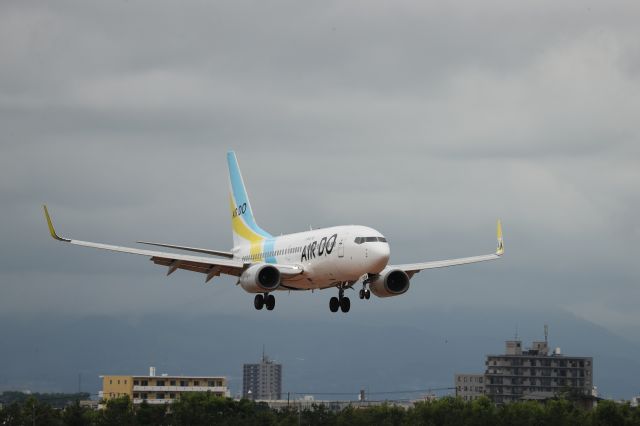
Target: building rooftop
164,376
152,375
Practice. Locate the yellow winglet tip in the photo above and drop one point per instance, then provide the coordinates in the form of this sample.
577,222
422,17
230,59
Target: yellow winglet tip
52,231
500,249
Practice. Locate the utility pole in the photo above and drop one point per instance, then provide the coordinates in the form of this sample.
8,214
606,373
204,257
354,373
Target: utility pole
546,333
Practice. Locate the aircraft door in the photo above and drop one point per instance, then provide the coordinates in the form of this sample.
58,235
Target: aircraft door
340,248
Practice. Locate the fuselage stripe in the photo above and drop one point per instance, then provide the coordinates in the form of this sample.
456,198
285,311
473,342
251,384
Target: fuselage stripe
269,245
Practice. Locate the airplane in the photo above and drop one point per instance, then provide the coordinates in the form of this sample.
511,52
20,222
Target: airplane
335,257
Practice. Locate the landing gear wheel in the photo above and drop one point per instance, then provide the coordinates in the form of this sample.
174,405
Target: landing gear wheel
345,304
258,301
270,301
361,294
367,294
334,304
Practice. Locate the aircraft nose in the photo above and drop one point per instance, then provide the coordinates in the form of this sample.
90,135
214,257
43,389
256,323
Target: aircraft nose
378,257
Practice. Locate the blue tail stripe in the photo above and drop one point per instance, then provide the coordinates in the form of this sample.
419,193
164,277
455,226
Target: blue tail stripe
240,195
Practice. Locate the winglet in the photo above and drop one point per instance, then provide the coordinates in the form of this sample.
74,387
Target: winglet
500,249
51,229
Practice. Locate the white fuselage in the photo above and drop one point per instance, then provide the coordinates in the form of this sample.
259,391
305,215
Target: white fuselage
328,256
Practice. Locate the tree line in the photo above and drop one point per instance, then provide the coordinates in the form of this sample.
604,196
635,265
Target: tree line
206,409
56,400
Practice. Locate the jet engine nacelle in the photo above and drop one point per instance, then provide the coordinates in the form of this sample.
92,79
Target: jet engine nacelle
390,282
260,278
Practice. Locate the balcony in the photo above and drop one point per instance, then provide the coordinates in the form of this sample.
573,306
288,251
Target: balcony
221,389
153,401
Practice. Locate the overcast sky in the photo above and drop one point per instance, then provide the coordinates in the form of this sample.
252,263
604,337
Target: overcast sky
424,120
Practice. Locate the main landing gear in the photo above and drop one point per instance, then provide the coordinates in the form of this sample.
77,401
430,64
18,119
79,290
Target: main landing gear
341,302
267,300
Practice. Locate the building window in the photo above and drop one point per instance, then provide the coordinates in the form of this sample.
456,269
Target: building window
160,383
172,382
110,382
125,381
196,383
118,381
145,396
160,396
145,383
136,395
183,383
172,396
211,383
136,382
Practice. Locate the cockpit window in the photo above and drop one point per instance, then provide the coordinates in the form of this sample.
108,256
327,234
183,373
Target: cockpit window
360,240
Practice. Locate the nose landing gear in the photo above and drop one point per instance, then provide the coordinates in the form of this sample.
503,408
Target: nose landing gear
341,302
267,300
364,293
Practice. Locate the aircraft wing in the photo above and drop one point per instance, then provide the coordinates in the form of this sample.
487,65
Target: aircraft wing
414,268
210,266
220,253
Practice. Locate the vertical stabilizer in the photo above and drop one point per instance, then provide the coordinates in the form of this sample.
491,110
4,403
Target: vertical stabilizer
245,229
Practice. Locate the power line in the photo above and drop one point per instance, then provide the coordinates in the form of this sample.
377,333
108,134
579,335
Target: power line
378,392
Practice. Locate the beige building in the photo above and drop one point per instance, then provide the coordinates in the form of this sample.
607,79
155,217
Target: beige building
160,389
469,386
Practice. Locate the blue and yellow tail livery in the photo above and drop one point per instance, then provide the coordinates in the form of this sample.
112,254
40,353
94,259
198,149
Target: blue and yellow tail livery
244,226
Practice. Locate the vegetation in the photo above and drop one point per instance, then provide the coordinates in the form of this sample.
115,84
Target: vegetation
206,409
56,400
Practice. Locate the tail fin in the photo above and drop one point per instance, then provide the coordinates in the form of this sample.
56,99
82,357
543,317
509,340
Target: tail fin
243,224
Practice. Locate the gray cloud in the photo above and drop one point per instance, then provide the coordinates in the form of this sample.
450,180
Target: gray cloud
424,120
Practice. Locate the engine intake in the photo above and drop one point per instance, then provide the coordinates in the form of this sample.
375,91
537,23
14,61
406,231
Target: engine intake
260,278
390,282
